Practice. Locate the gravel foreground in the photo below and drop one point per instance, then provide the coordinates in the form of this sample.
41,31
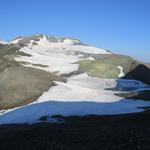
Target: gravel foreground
125,132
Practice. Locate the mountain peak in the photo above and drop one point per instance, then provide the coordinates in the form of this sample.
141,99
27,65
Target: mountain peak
55,43
4,42
52,39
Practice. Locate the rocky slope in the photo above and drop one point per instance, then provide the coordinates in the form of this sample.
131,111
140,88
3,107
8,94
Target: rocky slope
139,72
125,132
20,85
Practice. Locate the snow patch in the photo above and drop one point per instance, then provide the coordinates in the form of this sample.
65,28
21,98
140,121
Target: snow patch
16,40
91,58
85,88
82,88
56,62
32,113
4,42
121,72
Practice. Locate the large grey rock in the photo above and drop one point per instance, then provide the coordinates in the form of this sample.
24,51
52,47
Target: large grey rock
139,72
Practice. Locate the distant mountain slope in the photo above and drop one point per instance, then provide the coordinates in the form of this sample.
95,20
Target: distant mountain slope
3,43
148,65
70,56
42,68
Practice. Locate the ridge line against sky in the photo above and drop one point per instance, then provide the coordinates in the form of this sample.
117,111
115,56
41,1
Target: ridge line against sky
121,26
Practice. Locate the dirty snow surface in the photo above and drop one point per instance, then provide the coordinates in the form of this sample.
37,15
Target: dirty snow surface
80,94
121,71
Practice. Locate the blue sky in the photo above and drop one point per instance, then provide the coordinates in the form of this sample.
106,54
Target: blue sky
122,26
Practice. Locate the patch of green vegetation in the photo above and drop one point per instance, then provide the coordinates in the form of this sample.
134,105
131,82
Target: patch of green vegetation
117,60
99,69
105,66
